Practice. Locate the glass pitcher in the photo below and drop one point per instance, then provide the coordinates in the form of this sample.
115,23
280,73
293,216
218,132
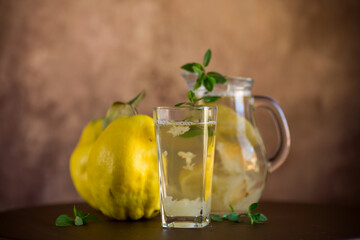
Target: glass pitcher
241,164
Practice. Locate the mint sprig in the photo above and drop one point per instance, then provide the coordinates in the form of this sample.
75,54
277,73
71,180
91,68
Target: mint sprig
208,80
79,220
235,217
256,217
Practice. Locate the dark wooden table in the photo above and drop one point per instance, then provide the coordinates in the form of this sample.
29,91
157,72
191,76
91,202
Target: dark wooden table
286,221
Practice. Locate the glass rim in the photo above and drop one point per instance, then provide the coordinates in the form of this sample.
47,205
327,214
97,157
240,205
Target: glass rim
185,108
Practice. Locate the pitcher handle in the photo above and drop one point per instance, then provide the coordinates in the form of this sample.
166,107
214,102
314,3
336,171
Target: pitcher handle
278,115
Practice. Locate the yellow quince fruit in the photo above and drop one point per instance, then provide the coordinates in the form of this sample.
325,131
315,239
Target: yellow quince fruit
122,169
114,166
231,125
79,159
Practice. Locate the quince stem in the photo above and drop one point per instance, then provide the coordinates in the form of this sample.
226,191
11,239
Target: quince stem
120,109
135,102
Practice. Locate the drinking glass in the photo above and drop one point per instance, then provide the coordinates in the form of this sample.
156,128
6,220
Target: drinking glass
185,138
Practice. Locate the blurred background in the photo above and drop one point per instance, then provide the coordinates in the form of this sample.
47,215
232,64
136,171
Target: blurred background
62,63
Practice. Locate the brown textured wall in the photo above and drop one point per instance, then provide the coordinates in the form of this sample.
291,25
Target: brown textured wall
63,63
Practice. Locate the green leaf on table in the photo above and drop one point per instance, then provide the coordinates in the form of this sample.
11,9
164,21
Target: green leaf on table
231,208
258,217
91,217
253,207
207,58
262,217
220,79
80,218
80,213
233,217
79,221
64,220
216,218
75,211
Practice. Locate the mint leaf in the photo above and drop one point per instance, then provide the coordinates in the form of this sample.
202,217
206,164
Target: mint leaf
197,85
189,67
233,217
183,103
196,69
78,221
199,81
75,212
207,80
262,217
80,218
211,79
91,217
192,133
210,99
80,213
191,96
179,104
195,131
231,208
208,84
207,58
216,218
253,207
259,217
218,77
64,220
200,78
254,218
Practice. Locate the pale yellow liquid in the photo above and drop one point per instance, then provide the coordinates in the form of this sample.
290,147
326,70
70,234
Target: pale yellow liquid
186,153
240,165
